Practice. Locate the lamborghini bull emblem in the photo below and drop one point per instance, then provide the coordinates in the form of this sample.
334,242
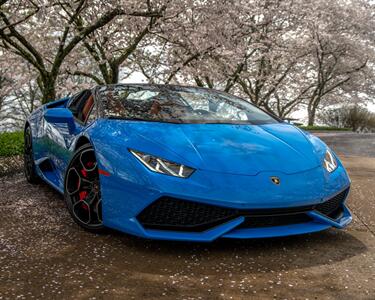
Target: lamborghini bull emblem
275,180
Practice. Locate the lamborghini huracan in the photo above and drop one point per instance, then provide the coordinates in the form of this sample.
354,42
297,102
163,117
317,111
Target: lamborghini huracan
183,163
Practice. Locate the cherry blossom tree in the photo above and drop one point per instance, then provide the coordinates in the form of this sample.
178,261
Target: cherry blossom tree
280,55
340,49
43,34
112,47
5,85
188,47
274,65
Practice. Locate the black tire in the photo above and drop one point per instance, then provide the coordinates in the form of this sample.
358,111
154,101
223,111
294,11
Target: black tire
82,190
28,158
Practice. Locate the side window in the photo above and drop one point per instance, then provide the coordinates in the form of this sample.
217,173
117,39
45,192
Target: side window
82,105
91,117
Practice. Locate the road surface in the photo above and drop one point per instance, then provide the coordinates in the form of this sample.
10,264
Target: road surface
44,255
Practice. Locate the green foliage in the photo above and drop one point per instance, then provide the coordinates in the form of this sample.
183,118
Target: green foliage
11,143
324,128
355,117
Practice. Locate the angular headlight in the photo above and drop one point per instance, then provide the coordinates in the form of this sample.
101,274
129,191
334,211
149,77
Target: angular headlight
329,162
160,165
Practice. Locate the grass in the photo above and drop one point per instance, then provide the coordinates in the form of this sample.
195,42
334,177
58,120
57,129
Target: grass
11,143
324,128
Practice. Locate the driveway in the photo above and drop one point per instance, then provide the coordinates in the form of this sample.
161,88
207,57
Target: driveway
349,143
43,254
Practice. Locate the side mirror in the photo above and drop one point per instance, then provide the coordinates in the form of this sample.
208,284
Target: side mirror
60,115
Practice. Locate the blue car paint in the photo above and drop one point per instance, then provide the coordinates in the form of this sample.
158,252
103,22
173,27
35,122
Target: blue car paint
233,165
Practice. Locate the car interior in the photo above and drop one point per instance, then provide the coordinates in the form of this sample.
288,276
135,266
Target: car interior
81,105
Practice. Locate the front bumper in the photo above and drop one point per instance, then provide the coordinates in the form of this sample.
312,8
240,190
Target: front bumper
127,195
250,224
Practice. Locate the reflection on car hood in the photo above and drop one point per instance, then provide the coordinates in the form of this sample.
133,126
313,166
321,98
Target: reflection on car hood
235,149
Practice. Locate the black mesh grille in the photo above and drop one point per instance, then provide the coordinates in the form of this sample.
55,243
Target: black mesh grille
176,214
169,213
278,220
332,207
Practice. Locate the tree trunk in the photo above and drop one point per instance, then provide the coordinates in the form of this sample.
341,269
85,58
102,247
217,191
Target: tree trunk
49,94
114,74
311,110
47,86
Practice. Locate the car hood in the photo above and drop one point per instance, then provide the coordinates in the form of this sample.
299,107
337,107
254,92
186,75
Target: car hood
229,148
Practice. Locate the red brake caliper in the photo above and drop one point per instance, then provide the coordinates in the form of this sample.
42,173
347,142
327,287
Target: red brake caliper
84,173
83,194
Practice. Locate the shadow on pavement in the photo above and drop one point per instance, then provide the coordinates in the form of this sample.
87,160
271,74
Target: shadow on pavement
48,236
289,253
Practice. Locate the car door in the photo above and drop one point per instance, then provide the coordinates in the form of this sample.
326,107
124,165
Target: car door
61,138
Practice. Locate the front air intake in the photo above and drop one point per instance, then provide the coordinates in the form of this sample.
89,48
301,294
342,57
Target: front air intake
332,208
175,214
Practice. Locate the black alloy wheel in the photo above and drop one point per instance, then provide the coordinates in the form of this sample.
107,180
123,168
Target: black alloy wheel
82,190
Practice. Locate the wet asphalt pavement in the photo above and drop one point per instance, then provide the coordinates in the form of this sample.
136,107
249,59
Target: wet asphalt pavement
350,144
44,255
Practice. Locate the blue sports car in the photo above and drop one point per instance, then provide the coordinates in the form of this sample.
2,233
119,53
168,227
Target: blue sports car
183,163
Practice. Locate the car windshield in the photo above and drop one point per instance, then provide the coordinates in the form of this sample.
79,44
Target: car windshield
164,103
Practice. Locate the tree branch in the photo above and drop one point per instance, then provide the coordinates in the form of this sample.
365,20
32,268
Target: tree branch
102,21
88,75
37,59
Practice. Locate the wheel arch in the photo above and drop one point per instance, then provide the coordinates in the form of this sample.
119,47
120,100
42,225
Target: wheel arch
82,140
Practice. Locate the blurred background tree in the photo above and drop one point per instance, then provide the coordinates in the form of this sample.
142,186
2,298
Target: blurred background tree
284,56
355,117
